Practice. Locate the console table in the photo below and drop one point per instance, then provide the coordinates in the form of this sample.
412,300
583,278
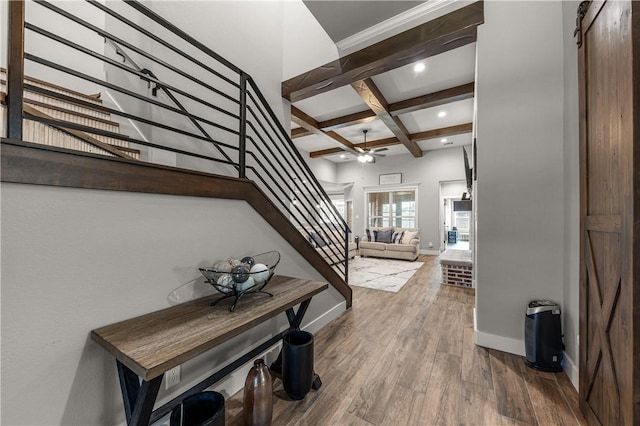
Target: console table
147,346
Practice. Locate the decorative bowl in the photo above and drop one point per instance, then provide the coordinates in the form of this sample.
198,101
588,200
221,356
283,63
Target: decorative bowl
237,277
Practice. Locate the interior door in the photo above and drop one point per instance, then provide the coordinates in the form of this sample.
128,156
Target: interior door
609,199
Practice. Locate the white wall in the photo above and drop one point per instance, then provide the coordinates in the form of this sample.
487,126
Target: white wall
520,198
427,171
74,260
305,43
571,296
4,32
323,170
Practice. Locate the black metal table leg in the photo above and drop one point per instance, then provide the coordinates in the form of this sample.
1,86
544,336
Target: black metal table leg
138,398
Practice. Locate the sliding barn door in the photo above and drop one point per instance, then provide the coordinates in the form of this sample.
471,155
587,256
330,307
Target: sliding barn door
609,75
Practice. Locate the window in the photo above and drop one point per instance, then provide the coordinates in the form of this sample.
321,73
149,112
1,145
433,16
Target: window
392,208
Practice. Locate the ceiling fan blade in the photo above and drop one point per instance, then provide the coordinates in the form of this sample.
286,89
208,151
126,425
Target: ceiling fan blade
352,151
375,154
360,150
380,150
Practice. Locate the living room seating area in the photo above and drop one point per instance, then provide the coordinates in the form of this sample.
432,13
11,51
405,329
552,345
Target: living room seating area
391,243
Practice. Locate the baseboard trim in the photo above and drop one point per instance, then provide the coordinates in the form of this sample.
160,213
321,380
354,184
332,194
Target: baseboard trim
501,343
572,371
324,319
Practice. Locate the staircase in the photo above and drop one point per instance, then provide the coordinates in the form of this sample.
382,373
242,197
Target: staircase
41,105
212,119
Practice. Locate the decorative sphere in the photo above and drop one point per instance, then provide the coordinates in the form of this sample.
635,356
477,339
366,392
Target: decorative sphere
260,273
226,282
248,260
235,262
222,266
247,284
240,273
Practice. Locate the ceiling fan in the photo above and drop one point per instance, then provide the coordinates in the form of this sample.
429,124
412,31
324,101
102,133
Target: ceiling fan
365,155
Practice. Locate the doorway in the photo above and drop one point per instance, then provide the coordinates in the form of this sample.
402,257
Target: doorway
455,224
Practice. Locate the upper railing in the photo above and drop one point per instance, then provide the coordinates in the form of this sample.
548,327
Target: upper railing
191,107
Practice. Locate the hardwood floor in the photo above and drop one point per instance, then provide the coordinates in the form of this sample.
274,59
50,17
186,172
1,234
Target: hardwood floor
409,359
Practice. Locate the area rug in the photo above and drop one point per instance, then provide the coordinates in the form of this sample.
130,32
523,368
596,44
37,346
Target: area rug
381,274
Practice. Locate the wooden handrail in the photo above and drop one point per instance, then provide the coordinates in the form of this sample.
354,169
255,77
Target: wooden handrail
60,167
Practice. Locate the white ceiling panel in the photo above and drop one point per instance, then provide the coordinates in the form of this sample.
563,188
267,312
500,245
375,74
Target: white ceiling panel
377,130
332,104
312,143
427,119
452,142
443,71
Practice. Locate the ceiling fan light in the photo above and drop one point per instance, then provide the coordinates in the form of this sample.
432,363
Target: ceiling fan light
362,159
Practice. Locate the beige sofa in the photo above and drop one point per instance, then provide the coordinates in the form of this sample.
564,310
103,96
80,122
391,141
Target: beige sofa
406,249
329,243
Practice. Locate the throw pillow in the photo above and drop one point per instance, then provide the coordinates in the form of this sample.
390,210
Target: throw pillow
408,236
384,236
318,241
368,234
396,237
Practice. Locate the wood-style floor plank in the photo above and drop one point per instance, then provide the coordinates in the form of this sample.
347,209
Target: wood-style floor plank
543,393
511,392
476,367
409,358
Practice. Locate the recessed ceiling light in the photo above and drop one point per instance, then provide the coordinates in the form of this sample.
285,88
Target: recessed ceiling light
343,156
442,114
419,67
443,140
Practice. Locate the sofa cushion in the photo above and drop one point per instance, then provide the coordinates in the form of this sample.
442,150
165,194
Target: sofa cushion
384,236
396,237
402,247
317,240
368,231
371,245
408,236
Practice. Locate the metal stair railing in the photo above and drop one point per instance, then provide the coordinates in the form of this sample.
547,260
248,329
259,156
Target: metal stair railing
212,117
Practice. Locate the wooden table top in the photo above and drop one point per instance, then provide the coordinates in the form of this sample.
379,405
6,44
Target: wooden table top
156,342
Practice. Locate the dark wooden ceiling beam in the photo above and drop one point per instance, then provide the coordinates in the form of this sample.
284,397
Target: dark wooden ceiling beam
299,132
439,35
310,124
416,137
374,99
443,132
348,120
380,143
430,100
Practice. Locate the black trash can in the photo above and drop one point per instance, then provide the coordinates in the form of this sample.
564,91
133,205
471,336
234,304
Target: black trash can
543,336
202,409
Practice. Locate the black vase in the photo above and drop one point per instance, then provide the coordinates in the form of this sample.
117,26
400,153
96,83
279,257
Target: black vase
201,409
297,363
258,396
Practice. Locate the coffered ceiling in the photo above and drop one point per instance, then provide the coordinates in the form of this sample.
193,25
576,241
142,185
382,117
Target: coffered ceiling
378,89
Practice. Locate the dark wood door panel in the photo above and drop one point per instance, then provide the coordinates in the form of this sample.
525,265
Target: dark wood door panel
609,157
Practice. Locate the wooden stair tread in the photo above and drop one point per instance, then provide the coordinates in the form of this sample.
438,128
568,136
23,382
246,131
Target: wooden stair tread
153,343
81,135
69,111
91,98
